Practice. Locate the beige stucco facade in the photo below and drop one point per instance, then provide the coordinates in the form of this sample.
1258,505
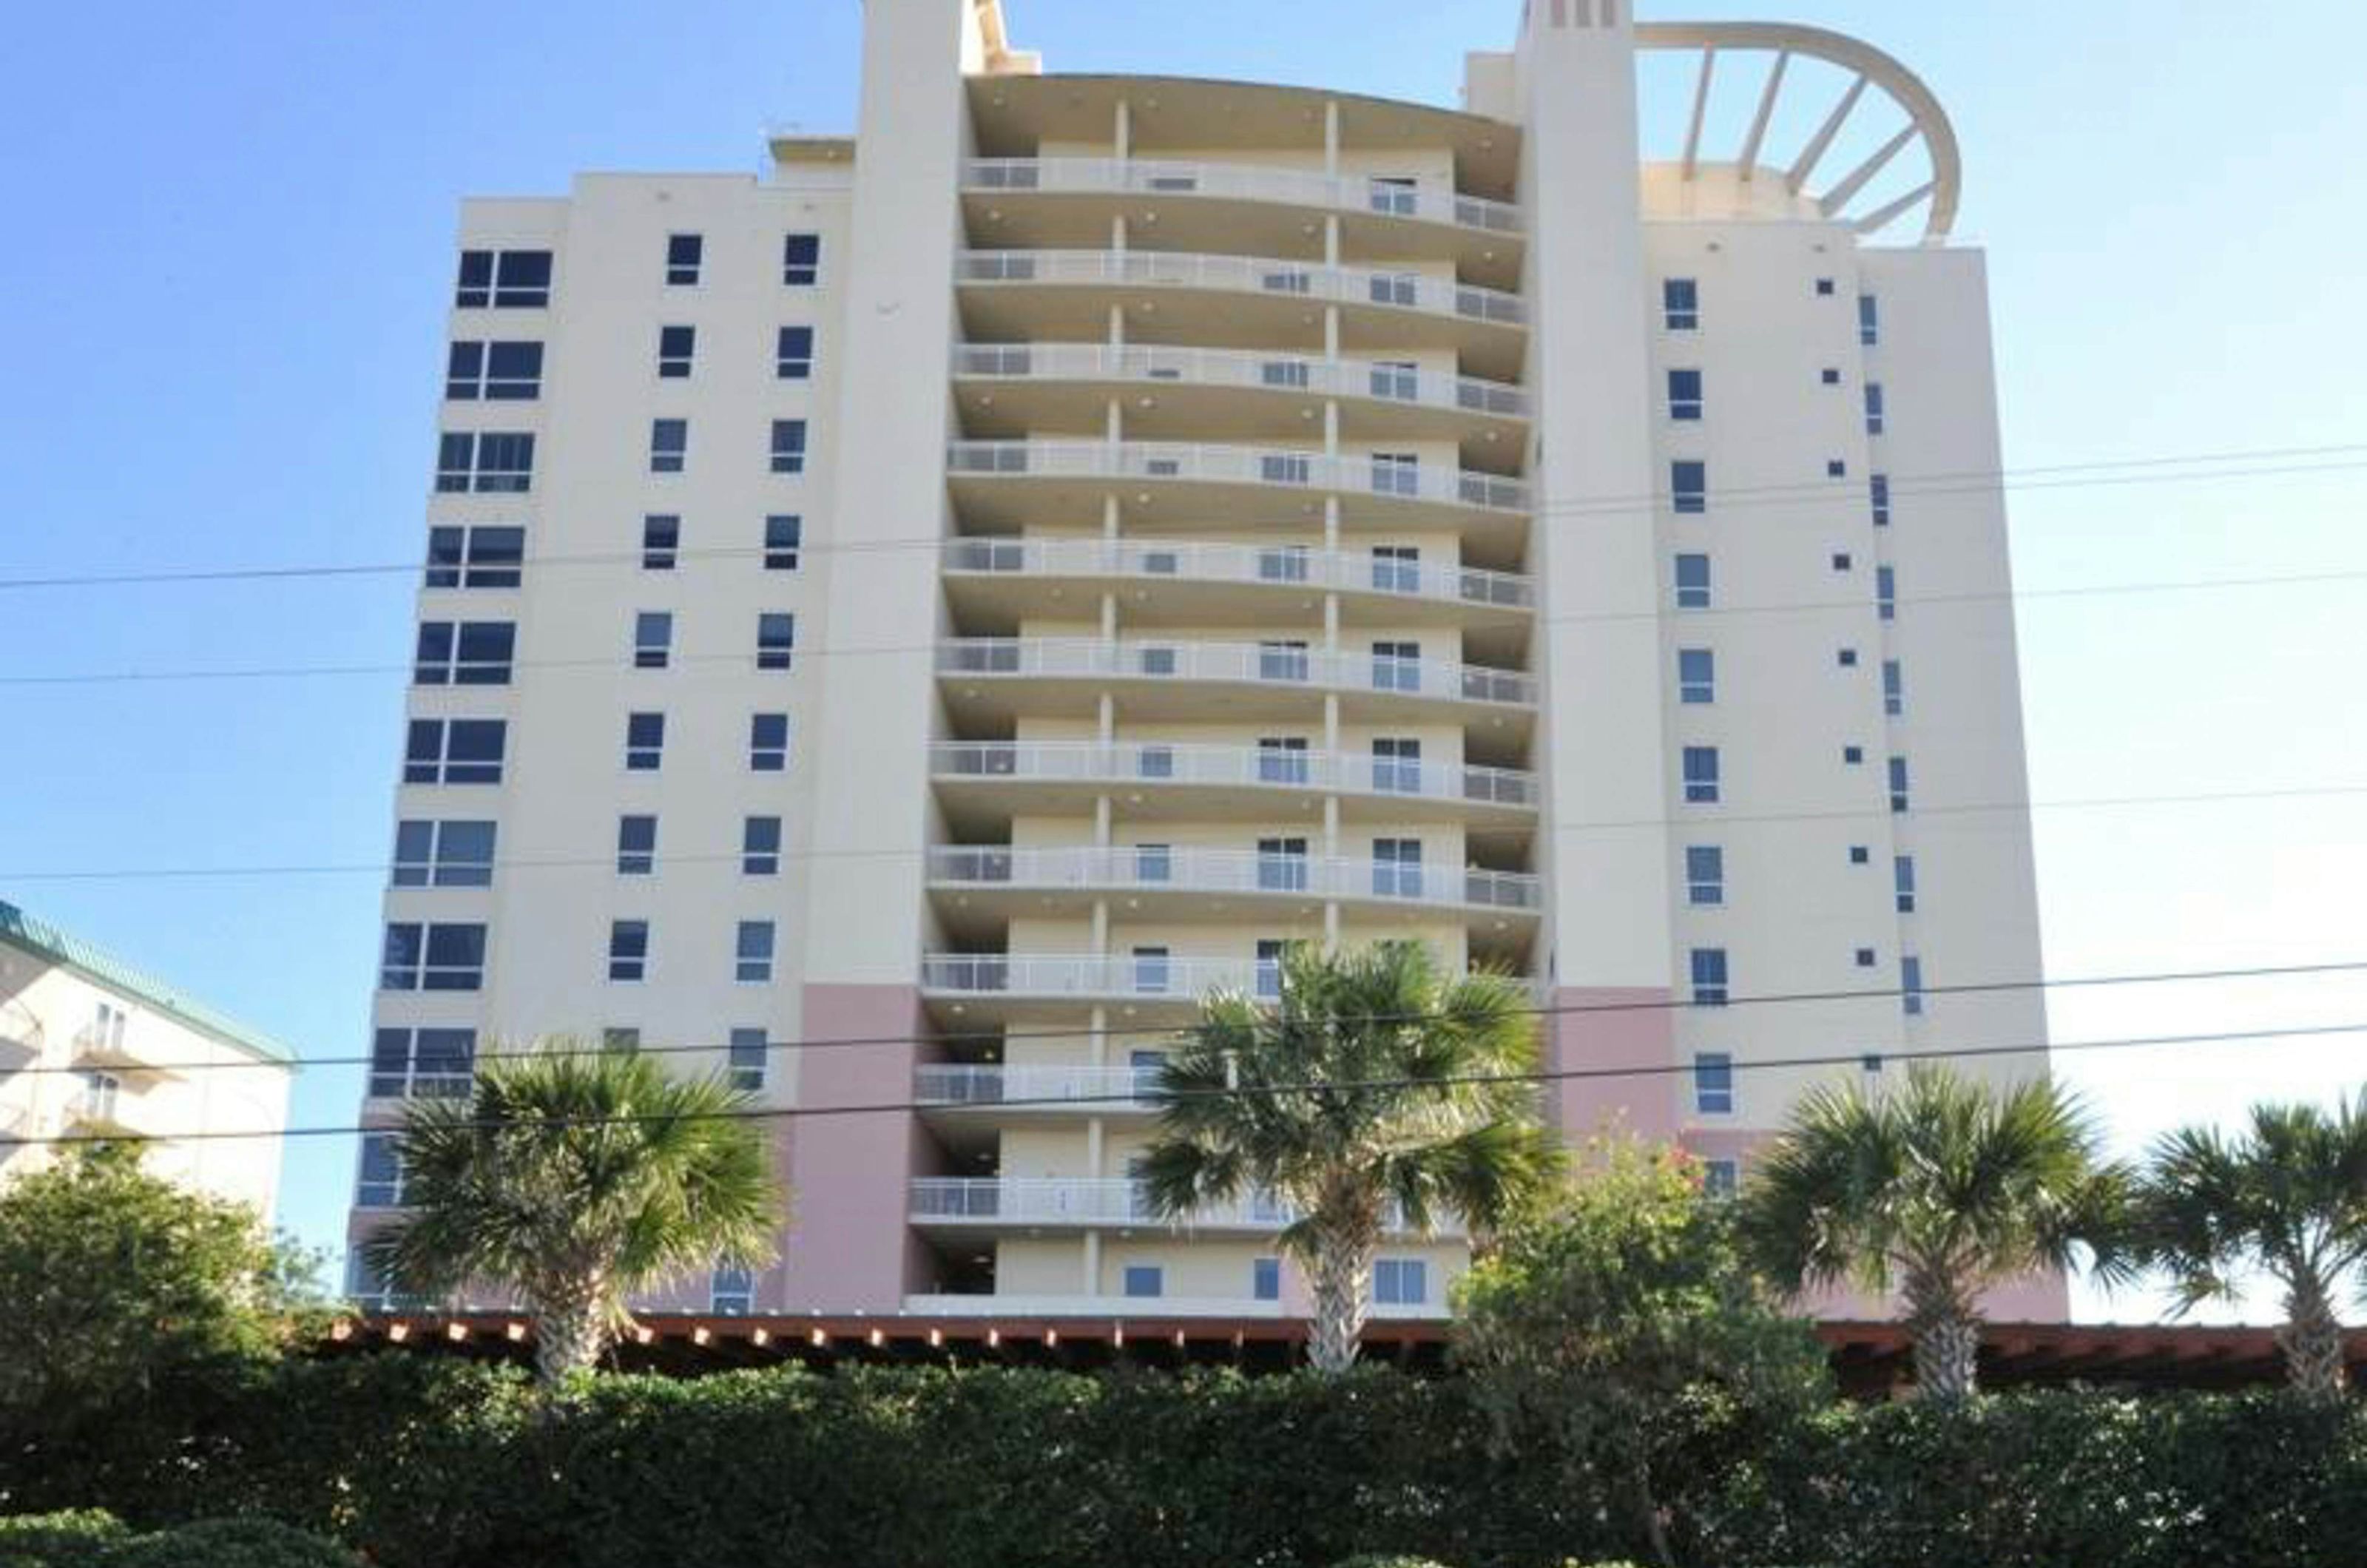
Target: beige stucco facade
1225,515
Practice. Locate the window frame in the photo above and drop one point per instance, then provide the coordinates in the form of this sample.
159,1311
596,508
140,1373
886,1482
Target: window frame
793,353
629,942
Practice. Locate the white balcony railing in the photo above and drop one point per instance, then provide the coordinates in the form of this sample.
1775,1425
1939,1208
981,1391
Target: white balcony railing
1134,974
1270,664
1283,467
1052,1200
1156,868
1234,367
962,1083
1246,275
1159,763
1239,182
1281,566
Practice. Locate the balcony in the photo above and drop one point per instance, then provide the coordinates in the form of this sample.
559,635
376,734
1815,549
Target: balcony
1034,1086
1212,299
1226,394
1028,1201
99,1108
1243,182
1006,677
1219,781
1204,583
1016,483
1166,875
100,1045
1136,1309
1133,978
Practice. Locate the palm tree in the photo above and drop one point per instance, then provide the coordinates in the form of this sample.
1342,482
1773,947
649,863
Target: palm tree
1375,1083
2289,1197
1940,1190
575,1177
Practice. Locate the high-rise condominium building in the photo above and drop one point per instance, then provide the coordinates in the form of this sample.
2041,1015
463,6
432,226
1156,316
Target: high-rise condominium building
92,1048
901,628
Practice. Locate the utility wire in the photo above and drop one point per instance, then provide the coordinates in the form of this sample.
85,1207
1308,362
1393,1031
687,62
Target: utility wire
1568,1010
1335,1087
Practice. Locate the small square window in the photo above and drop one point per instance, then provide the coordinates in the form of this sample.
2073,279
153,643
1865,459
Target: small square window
800,260
788,446
1145,1279
636,845
675,348
661,541
1870,1063
1853,755
1858,855
629,951
1829,377
776,639
1720,1178
760,846
783,535
753,963
683,255
1847,658
669,445
1864,957
1835,469
1842,560
1824,287
768,742
793,354
653,639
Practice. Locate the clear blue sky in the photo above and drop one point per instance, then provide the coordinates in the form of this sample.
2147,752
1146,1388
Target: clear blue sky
233,254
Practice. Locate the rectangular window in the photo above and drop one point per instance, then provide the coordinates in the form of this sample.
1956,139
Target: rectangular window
1877,495
636,845
800,260
1681,303
1153,970
683,255
1902,877
1397,868
788,446
1282,866
644,742
668,446
1689,485
793,354
1267,967
1684,394
752,963
1396,764
628,950
776,639
486,462
1393,288
1704,876
1397,666
421,1063
1693,582
1714,1083
677,346
1894,688
1910,985
750,1053
1397,473
505,280
760,846
1265,1279
433,958
1701,776
378,1181
443,855
1396,569
1720,1178
1708,967
494,372
464,653
768,742
1697,675
653,639
1899,784
1279,659
1282,760
661,541
1145,1279
784,536
624,1041
1872,408
1401,1282
482,556
1869,321
731,1292
1885,593
1396,378
454,751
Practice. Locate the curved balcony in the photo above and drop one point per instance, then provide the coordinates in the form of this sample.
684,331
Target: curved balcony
1043,1087
1213,299
986,781
1008,677
1208,583
1168,874
987,1200
1113,977
1243,182
1224,393
1010,483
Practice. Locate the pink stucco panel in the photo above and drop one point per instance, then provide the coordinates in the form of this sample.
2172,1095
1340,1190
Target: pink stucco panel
1610,1029
850,1248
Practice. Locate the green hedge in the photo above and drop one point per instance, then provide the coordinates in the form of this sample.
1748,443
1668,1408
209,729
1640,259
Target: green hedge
426,1463
93,1539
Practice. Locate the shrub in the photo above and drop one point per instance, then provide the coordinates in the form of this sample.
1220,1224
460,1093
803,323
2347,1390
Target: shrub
233,1543
84,1537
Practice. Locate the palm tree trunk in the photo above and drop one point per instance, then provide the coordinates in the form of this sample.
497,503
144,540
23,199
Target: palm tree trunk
1947,1355
570,1329
1341,1274
2310,1340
